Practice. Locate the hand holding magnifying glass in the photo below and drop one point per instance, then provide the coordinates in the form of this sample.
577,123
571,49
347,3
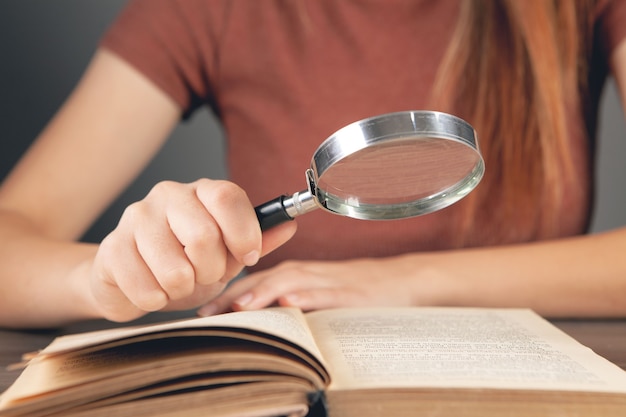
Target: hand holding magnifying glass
391,166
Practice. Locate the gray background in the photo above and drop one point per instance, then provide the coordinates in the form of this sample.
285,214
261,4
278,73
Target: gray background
46,44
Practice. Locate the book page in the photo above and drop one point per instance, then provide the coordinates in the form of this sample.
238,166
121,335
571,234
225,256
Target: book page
58,367
284,322
456,348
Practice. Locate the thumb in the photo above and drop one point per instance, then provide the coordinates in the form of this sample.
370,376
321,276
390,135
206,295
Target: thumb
277,236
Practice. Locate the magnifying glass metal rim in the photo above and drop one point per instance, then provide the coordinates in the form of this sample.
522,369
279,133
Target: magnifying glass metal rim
387,128
403,125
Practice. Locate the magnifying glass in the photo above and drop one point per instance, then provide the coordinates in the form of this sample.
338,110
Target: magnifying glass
391,166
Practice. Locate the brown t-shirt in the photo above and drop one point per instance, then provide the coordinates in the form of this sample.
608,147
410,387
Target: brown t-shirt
283,76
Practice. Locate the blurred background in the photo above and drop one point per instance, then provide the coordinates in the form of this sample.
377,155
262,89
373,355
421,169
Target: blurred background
46,44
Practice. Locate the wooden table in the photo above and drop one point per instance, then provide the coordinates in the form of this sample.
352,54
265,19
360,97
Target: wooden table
605,337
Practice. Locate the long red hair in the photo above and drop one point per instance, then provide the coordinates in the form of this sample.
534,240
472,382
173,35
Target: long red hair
515,69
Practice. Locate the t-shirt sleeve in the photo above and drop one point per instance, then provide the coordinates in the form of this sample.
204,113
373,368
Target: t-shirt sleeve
171,42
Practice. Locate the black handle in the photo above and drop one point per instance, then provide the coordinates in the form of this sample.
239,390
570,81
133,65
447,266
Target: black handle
272,213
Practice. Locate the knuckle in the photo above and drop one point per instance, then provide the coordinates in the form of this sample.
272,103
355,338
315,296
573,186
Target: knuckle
178,282
164,188
135,211
221,192
107,249
202,235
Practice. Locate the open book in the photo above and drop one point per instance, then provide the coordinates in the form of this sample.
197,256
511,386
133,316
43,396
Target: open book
338,362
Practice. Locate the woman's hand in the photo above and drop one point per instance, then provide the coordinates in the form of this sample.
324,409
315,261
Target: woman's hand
317,285
576,277
178,248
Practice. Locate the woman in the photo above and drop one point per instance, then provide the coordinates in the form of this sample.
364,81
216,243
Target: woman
282,76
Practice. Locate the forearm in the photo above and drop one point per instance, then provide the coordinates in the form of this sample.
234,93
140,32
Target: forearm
44,282
582,276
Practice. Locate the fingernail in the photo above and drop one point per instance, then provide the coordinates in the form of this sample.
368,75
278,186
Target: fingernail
251,258
207,310
243,300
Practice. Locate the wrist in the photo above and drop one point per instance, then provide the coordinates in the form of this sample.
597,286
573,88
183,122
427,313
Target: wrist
84,303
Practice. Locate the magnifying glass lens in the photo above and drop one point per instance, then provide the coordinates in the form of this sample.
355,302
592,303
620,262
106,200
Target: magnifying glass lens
400,178
398,172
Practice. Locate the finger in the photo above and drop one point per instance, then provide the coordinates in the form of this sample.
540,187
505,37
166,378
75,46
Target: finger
160,249
125,270
229,205
277,236
199,238
272,239
287,279
320,298
201,294
223,302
